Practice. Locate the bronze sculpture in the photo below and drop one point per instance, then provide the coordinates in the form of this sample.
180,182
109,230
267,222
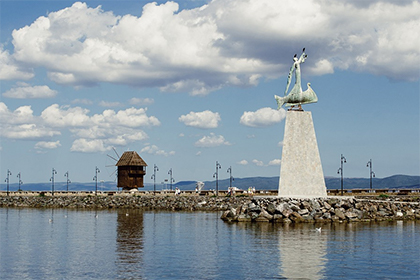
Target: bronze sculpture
296,96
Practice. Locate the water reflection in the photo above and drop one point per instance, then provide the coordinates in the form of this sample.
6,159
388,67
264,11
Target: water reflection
129,243
302,251
191,245
182,245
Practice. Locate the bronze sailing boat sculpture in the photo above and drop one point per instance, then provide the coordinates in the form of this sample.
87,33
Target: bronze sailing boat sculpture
296,96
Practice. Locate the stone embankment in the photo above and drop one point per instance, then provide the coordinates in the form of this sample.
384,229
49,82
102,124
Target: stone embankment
241,209
147,202
322,210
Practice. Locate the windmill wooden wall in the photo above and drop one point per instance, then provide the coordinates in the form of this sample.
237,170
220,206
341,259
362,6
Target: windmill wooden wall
131,170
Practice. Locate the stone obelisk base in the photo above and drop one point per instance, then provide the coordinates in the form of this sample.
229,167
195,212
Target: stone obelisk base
301,170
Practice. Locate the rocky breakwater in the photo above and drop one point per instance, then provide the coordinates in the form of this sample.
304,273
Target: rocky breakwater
322,210
148,202
240,209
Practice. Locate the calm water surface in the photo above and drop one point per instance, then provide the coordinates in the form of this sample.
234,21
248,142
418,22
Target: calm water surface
133,244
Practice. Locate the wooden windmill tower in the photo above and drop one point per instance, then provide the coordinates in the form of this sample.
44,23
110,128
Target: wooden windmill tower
131,170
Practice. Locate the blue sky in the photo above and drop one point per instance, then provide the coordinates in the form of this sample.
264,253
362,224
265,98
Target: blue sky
189,83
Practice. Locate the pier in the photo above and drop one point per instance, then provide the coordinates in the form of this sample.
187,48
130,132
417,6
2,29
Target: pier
259,207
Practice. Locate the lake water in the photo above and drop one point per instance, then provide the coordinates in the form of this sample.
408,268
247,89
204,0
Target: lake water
135,244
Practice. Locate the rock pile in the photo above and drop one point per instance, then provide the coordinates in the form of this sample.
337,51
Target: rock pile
288,210
172,203
239,209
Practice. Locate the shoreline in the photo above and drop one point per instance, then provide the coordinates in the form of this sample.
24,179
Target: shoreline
241,208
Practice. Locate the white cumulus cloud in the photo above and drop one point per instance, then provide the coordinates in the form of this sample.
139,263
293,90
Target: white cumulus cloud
83,101
205,119
29,132
10,69
21,124
93,133
263,117
88,146
26,91
64,116
22,115
257,162
109,104
47,145
211,141
203,49
243,162
141,101
153,149
274,162
110,128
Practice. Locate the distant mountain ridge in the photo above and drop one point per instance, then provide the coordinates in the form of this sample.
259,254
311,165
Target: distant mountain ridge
271,183
260,183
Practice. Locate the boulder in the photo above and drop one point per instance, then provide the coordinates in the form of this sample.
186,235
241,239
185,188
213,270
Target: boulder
351,215
315,205
281,207
295,217
294,207
277,218
244,218
271,208
326,215
305,205
303,211
340,214
327,205
265,214
287,212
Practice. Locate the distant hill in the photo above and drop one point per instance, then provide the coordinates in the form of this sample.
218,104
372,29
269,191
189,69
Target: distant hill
61,186
393,182
260,183
271,183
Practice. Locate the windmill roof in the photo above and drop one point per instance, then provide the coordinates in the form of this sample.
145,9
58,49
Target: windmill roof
130,158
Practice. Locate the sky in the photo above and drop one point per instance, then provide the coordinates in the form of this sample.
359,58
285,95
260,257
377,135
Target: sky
189,83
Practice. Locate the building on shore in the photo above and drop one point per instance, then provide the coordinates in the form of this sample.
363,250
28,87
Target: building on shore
131,170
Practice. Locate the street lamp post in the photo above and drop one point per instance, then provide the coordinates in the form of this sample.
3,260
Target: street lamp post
20,182
371,173
52,181
68,180
230,176
216,175
7,181
96,179
171,180
340,171
155,169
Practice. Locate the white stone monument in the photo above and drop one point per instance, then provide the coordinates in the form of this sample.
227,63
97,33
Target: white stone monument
301,172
